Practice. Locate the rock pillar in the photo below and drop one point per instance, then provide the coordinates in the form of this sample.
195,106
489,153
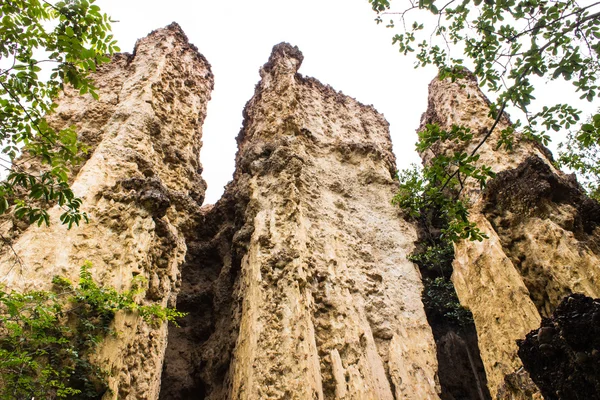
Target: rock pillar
309,293
138,185
543,235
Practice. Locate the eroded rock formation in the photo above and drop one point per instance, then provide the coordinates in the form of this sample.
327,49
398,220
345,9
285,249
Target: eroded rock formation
543,236
298,283
139,185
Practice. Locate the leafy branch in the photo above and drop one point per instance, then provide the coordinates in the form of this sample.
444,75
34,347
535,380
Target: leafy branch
47,338
77,43
506,43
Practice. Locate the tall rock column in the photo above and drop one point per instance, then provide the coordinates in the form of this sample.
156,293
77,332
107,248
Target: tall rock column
139,183
301,268
543,236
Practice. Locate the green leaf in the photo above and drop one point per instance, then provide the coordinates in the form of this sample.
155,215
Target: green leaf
587,127
88,53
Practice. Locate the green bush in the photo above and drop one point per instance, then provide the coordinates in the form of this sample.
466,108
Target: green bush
47,337
441,301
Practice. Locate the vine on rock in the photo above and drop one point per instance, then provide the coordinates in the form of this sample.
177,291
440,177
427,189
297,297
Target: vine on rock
434,255
431,195
439,184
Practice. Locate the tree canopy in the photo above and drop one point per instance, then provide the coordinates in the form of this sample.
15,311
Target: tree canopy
511,46
506,43
71,37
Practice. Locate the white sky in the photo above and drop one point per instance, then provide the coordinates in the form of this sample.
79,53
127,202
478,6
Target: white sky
342,47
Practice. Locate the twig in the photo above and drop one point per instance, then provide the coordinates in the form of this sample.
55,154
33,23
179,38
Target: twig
488,134
500,114
17,258
579,11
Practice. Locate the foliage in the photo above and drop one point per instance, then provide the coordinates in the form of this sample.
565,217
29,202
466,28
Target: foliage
434,255
73,37
440,300
508,44
46,338
432,185
581,154
436,258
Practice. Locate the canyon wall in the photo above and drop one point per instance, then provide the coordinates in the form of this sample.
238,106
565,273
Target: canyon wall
542,229
297,282
139,183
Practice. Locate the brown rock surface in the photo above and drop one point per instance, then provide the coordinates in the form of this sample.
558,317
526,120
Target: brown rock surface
298,284
139,184
543,237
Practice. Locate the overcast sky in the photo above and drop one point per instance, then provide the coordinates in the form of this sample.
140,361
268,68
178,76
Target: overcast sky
342,47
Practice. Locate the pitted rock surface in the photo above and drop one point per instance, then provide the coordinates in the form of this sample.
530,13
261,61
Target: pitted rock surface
543,236
308,293
139,184
563,355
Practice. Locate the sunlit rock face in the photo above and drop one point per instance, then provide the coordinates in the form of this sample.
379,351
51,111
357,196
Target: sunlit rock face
297,282
543,237
140,184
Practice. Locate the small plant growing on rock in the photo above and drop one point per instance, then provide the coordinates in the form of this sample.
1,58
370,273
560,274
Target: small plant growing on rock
47,337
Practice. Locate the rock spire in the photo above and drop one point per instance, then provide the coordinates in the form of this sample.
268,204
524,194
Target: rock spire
543,236
302,266
139,184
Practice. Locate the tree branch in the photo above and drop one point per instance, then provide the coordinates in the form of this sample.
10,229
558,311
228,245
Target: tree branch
587,18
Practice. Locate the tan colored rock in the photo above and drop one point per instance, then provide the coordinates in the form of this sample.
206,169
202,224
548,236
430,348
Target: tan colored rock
139,184
543,236
300,286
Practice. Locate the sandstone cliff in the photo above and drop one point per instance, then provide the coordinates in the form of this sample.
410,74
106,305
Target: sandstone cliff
297,282
139,184
543,237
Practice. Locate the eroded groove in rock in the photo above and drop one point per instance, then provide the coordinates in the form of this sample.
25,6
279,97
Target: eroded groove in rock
139,184
325,303
199,352
543,237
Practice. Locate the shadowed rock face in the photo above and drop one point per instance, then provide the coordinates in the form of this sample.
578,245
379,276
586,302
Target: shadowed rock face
563,355
543,237
140,185
461,372
298,282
